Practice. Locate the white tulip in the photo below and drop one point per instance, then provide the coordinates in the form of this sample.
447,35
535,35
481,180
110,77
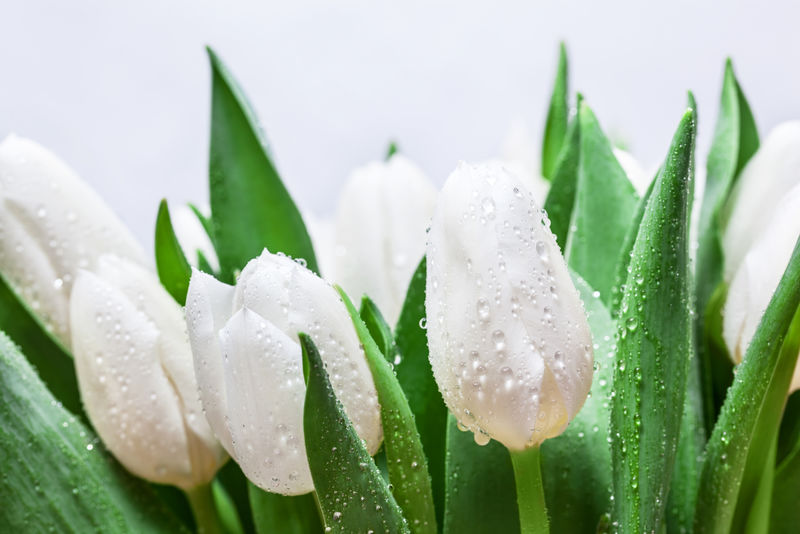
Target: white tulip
383,214
192,236
135,375
772,172
509,342
636,174
758,275
51,225
248,365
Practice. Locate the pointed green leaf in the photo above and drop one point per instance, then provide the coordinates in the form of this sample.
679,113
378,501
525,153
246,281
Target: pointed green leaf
57,476
597,232
556,126
251,208
379,330
785,514
203,264
624,260
576,466
405,458
352,495
561,195
231,478
481,496
749,418
391,151
416,378
682,497
735,141
654,346
173,269
281,514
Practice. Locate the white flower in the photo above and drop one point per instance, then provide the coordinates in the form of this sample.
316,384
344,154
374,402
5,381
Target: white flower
135,374
383,214
51,225
509,342
192,236
773,171
248,365
633,170
758,275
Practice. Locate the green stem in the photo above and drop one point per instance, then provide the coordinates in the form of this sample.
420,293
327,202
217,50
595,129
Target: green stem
201,498
530,493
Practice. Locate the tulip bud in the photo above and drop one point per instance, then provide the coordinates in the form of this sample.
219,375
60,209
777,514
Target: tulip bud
383,214
248,364
773,171
634,171
52,224
509,342
192,237
135,375
758,275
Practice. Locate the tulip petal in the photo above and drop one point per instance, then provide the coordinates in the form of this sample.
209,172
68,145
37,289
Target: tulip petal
756,279
396,201
294,299
265,394
769,175
209,304
509,343
142,288
128,397
53,225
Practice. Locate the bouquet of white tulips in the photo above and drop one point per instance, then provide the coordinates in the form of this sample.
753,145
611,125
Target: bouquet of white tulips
570,347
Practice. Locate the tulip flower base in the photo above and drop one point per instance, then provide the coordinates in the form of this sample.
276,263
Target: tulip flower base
577,346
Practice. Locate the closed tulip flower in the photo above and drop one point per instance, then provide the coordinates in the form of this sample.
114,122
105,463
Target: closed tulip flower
53,224
248,365
509,342
756,254
384,211
773,171
135,374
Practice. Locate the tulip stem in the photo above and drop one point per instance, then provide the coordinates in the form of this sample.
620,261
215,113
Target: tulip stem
201,499
530,493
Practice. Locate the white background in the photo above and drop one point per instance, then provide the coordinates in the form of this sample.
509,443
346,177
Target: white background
121,90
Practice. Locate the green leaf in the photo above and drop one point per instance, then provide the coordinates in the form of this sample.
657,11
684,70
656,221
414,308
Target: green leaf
561,196
597,233
735,141
231,478
416,378
749,418
576,466
56,474
379,330
352,495
226,509
51,359
556,126
250,205
785,514
624,260
203,264
405,458
682,497
481,495
654,346
391,151
281,514
173,269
